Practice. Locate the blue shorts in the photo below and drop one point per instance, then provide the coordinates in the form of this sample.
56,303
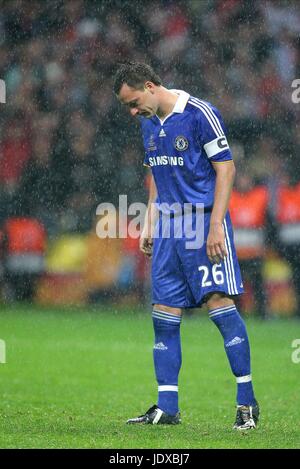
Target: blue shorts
182,277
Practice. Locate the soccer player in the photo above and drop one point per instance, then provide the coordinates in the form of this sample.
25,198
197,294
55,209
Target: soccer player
187,150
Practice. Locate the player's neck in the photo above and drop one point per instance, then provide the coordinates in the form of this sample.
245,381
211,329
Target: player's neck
167,102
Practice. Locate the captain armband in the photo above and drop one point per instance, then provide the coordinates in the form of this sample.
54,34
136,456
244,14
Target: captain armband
216,146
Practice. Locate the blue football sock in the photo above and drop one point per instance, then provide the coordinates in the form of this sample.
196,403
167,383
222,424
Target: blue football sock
167,359
236,343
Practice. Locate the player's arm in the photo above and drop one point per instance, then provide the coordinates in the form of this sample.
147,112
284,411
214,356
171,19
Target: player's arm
212,135
146,239
225,173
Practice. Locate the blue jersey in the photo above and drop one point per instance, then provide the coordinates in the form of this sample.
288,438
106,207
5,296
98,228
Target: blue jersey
180,150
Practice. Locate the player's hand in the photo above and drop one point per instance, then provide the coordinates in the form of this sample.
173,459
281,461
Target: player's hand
215,246
146,245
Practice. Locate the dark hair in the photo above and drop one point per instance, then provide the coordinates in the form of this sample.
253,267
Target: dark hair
134,74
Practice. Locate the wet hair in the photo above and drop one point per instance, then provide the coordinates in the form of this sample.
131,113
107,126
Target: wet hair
135,74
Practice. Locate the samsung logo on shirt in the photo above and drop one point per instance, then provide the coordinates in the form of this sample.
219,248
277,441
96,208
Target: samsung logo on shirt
166,160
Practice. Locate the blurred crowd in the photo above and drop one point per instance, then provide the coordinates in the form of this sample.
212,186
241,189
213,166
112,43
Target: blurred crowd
66,145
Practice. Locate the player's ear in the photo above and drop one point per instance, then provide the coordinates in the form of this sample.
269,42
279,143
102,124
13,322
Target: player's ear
149,86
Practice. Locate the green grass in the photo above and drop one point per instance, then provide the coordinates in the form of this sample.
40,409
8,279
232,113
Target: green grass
73,377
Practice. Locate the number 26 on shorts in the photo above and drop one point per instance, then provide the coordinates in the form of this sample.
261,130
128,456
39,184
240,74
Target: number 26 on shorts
217,275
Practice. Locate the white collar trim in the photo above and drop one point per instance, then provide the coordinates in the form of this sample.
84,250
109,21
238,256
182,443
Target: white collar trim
181,102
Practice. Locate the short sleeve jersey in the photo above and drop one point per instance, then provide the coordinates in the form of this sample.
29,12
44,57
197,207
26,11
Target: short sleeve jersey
180,150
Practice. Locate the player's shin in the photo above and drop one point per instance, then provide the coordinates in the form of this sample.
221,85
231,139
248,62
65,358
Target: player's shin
236,343
167,359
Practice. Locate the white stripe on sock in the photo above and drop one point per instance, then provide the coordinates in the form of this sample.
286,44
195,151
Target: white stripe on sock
217,310
164,318
167,388
221,312
171,315
244,379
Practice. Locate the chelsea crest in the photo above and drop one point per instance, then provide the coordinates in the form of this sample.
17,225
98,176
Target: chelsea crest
181,143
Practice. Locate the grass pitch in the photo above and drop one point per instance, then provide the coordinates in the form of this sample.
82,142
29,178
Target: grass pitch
73,377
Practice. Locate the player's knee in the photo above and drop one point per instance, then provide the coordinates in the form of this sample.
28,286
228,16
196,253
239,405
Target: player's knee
168,309
218,300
